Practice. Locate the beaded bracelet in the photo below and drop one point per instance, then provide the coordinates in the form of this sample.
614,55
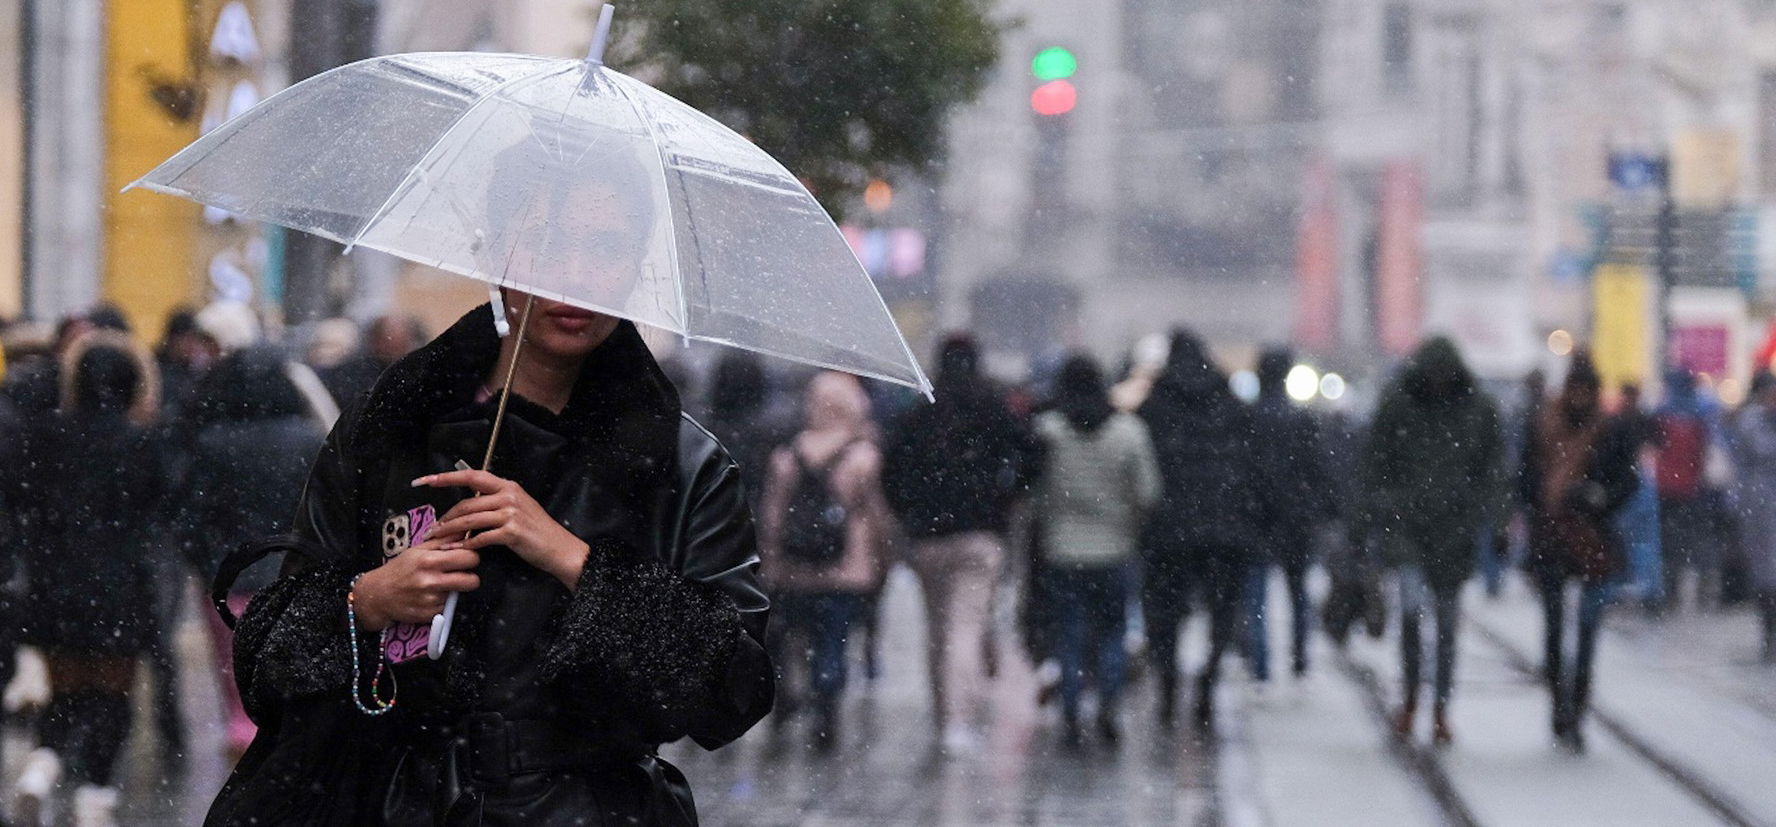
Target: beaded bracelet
351,623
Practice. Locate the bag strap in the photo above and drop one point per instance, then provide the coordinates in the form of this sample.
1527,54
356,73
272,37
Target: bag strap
249,553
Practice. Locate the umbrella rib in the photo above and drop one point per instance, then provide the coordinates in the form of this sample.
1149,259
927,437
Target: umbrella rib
678,280
408,180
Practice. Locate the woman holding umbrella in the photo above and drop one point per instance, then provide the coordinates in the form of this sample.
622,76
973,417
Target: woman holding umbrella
610,598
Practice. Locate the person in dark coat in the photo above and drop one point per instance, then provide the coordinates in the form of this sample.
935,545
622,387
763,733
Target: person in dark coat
610,599
389,338
1205,532
91,482
1297,499
184,355
245,469
952,471
1578,472
739,416
1433,478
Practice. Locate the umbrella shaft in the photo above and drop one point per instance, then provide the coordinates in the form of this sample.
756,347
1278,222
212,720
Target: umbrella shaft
499,415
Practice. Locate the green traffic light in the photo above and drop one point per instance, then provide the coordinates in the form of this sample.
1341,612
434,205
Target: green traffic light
1054,63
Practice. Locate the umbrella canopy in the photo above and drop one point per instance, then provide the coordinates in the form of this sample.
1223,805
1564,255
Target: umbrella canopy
559,178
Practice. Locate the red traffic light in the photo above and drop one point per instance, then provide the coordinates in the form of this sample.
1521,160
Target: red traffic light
1056,97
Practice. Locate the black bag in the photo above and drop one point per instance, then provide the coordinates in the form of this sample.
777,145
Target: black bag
316,763
815,526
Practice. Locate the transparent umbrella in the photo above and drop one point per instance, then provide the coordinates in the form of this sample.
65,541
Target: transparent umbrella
563,179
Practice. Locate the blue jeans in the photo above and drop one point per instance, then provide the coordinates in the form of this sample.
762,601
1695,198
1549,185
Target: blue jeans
1416,598
1092,605
826,620
1300,617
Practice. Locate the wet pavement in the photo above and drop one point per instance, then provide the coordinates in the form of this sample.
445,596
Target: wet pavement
1686,734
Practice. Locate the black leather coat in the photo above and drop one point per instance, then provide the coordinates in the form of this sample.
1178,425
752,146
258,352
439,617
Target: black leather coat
548,705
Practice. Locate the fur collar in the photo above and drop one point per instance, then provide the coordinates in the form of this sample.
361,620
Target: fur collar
623,407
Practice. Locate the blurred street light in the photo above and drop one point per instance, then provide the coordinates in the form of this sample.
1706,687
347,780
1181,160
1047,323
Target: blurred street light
1056,97
1302,383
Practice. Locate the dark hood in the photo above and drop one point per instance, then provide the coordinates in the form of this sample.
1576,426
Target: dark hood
1190,377
253,383
1436,373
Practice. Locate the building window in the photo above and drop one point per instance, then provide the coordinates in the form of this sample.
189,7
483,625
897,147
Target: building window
1767,133
1396,47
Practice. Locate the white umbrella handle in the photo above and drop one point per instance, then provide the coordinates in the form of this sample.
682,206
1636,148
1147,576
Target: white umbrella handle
441,622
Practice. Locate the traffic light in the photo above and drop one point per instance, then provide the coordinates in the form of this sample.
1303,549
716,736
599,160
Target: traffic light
1056,95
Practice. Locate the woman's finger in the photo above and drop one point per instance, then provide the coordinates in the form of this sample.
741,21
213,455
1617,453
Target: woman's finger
486,502
458,581
501,536
481,481
457,559
478,521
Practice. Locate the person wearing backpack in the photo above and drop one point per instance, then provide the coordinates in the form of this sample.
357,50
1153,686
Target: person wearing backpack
1686,514
822,526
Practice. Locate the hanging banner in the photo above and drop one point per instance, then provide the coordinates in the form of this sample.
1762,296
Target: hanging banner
1316,261
1399,260
1622,324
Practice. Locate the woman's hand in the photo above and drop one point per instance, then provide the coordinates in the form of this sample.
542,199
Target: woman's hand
411,587
504,514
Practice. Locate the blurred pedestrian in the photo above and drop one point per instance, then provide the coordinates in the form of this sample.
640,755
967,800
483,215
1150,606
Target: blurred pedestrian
952,471
184,354
1205,534
1577,474
1098,483
1433,478
1754,431
740,416
35,388
1688,430
1638,521
1297,500
247,464
823,525
93,483
388,339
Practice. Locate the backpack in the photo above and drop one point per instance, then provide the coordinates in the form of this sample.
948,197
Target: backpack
1682,455
815,525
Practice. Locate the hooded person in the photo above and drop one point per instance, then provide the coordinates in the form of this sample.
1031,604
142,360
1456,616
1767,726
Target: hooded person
1098,484
1297,498
1432,473
1206,532
952,471
94,481
609,587
1578,473
823,530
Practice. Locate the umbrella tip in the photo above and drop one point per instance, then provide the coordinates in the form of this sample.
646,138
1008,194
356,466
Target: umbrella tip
601,35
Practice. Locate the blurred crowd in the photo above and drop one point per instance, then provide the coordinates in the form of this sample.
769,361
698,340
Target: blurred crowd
1096,509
